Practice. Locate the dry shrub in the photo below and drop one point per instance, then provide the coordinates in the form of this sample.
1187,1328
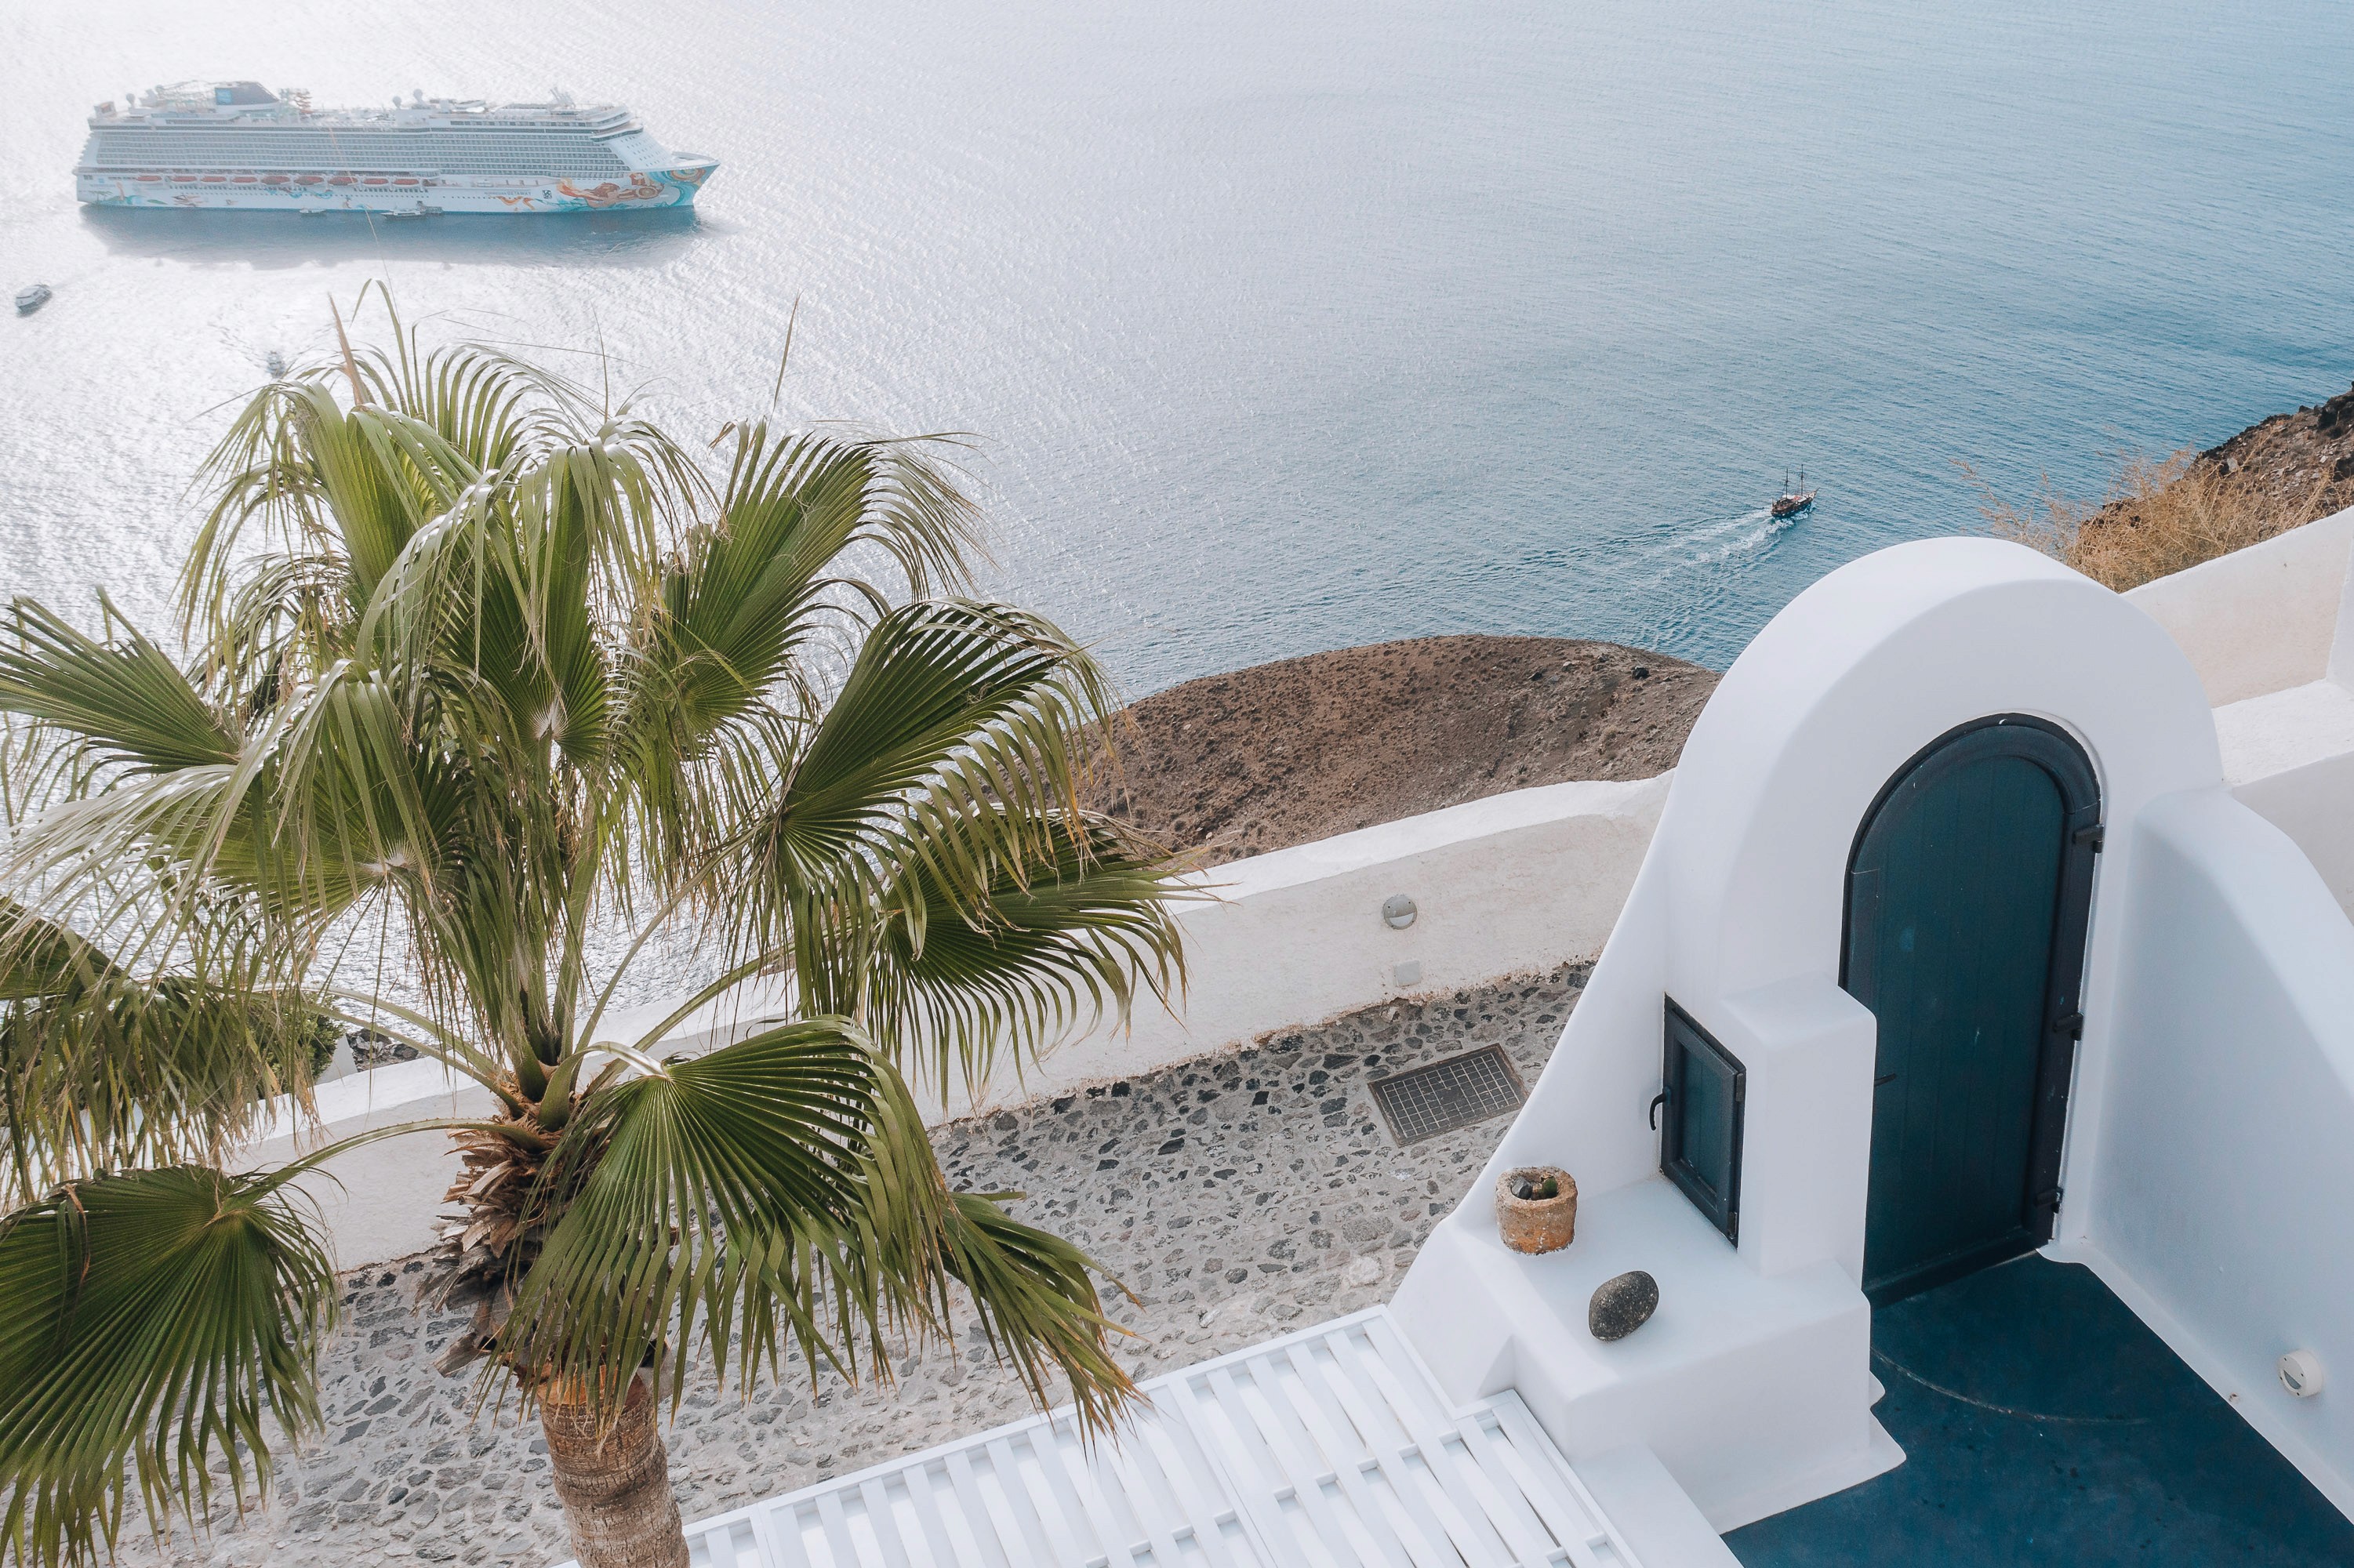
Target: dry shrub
2161,515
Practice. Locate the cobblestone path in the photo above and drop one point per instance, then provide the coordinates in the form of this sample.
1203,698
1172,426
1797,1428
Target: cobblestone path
1234,1196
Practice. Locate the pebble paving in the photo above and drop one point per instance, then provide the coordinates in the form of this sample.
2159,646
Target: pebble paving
1236,1196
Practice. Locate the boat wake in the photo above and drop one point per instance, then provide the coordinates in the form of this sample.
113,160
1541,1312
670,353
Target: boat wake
1689,577
1724,541
1751,533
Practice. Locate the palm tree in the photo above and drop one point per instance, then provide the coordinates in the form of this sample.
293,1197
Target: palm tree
482,662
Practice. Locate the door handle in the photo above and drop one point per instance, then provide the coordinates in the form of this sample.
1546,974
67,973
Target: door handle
1657,1102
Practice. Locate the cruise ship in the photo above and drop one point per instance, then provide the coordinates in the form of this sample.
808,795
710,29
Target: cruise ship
237,145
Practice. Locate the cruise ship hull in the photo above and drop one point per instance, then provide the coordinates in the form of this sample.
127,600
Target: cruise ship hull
639,189
239,146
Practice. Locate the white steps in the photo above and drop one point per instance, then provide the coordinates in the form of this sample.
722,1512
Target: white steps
1327,1448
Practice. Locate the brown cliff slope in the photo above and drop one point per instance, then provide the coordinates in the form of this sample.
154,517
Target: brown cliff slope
1285,753
2162,515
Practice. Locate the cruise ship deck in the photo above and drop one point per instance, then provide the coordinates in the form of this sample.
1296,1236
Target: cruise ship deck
241,146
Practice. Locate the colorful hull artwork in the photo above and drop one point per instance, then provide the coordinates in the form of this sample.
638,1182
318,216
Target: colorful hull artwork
641,191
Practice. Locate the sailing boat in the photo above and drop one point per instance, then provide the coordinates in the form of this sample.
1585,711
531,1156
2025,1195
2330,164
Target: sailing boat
1794,499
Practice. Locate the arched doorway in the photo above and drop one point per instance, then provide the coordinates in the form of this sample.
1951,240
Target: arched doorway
1969,891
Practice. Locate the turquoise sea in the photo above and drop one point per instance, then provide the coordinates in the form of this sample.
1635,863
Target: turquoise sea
1280,327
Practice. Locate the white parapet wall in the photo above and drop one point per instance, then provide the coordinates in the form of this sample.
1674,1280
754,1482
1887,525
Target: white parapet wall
1512,885
2260,619
2227,1145
2270,630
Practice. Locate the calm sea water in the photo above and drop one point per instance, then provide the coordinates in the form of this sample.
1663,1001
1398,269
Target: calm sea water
1284,327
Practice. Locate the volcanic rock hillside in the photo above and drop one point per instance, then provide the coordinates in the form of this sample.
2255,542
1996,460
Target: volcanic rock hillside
1285,753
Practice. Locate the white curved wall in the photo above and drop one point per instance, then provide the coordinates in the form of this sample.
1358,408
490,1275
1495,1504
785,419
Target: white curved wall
1858,675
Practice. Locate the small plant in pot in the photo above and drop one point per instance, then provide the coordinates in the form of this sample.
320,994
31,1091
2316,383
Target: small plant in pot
1537,1208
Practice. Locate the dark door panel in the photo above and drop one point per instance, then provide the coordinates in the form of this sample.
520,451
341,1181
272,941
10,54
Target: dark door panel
1968,894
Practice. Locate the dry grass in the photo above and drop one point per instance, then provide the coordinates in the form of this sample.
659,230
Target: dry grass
2159,516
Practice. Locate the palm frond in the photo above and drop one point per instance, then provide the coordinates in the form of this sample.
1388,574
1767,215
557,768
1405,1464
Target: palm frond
707,1189
780,1196
1037,1306
1031,1291
735,607
125,1072
127,704
954,743
45,958
149,1322
1055,946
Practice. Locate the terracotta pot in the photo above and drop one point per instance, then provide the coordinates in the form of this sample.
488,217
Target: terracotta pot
1536,1225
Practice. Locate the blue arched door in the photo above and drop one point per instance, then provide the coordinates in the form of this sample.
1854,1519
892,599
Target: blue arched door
1968,892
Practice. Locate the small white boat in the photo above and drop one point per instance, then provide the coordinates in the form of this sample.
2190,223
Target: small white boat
32,299
275,364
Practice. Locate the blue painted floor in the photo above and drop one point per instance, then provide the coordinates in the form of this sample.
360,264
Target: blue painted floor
2042,1422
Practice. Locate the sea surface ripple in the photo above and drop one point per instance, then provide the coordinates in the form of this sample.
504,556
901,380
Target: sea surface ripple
1280,328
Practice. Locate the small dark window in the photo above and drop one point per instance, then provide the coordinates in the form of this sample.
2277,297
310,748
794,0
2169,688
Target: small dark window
1704,1092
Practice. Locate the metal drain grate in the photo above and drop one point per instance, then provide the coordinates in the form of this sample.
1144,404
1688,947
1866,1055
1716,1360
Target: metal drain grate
1426,1101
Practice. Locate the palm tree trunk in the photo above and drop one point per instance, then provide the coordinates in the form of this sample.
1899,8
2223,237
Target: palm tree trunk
616,1494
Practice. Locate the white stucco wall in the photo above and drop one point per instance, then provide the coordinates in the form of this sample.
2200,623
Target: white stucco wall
2271,632
1510,884
2227,1141
2262,618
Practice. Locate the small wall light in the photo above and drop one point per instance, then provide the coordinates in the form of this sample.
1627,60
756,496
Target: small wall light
1397,911
2301,1373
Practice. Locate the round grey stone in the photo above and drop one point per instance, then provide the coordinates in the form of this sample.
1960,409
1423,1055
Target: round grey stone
1623,1304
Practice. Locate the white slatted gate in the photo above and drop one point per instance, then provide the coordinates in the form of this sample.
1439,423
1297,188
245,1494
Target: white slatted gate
1327,1448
